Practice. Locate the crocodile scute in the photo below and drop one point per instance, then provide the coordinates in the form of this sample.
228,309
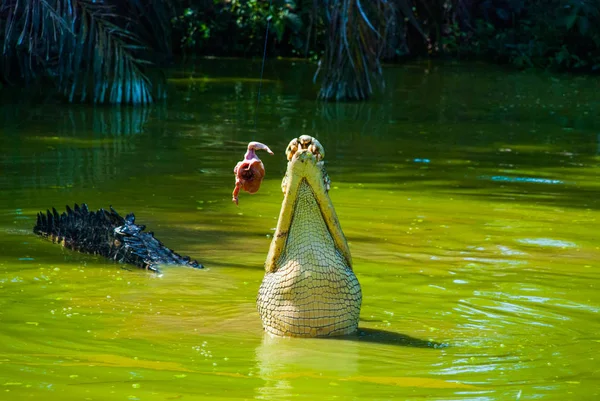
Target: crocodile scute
106,233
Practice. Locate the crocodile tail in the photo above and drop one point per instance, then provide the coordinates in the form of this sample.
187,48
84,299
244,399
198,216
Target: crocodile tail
106,233
81,229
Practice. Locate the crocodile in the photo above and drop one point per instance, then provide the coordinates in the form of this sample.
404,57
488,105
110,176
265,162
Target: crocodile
106,233
309,288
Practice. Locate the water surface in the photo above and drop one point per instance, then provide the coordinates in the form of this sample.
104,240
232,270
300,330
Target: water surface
468,194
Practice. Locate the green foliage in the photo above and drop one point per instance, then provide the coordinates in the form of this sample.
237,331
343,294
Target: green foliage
557,34
100,50
238,27
89,50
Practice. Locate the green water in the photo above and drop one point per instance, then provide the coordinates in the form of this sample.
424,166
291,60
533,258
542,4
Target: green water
469,196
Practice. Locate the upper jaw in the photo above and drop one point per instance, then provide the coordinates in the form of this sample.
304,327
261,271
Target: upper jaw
305,166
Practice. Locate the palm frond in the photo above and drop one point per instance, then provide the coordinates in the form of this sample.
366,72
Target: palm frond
88,48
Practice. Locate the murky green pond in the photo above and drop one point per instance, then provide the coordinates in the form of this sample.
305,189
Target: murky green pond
469,196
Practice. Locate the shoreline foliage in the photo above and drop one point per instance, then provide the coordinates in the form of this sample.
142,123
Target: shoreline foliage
350,38
87,50
563,35
102,51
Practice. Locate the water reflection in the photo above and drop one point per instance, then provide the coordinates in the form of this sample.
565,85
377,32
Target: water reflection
535,180
75,146
548,242
281,361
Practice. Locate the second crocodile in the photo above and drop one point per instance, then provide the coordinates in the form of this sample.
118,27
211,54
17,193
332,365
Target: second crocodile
106,233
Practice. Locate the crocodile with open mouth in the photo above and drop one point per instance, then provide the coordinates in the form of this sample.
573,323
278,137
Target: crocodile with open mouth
309,288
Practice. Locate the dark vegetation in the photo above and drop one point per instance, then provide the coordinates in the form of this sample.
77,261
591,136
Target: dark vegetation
101,51
86,50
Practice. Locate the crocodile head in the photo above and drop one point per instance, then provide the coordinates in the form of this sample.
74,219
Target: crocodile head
309,288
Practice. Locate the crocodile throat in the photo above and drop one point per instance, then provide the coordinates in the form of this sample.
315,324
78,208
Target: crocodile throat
309,289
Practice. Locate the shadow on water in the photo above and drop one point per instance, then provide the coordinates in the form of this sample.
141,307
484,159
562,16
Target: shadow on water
377,336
